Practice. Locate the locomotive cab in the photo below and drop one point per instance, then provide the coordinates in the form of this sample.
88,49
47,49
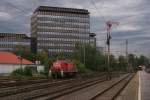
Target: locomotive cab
62,68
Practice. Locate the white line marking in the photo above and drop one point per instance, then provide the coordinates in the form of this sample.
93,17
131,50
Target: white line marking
139,89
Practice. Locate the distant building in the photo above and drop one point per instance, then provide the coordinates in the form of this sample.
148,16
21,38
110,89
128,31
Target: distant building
9,62
58,29
11,41
92,39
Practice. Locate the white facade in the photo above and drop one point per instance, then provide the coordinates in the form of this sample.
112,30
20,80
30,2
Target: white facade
40,68
6,69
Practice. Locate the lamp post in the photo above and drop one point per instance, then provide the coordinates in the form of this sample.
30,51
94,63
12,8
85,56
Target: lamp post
20,58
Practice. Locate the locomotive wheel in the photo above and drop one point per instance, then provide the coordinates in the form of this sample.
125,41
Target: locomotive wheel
59,75
54,75
69,74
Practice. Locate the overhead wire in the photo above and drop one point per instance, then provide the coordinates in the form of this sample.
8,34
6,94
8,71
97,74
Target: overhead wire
98,11
120,19
21,11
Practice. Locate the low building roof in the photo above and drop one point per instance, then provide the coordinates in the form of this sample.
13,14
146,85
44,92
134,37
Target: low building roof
11,58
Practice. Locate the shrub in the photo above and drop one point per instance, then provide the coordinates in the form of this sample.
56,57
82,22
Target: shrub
18,71
80,67
27,71
22,72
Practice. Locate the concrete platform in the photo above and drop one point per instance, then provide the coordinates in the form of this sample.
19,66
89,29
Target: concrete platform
144,80
138,88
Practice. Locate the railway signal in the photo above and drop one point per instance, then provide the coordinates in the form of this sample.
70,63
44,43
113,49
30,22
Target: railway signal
109,27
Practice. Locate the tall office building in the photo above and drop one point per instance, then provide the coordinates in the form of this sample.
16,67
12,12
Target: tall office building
59,29
12,41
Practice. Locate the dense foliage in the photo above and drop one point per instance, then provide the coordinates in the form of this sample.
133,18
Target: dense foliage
86,57
97,61
22,72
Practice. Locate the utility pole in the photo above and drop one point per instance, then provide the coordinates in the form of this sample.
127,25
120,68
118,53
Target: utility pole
108,52
84,53
126,48
127,54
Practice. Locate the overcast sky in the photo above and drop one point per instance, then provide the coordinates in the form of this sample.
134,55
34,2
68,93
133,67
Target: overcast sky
133,17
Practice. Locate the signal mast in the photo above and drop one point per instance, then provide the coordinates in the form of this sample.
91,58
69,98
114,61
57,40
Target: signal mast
109,27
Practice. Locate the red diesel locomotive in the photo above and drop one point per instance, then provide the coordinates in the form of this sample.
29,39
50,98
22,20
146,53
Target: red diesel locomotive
62,68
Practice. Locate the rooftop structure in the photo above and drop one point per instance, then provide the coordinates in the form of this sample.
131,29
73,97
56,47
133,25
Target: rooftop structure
10,58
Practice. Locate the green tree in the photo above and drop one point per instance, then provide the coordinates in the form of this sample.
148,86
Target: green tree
133,60
80,67
90,57
142,60
122,63
94,60
77,54
100,62
113,63
61,56
24,52
43,57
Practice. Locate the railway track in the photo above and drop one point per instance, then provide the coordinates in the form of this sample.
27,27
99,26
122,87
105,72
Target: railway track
5,83
20,89
11,83
113,91
4,91
37,90
69,89
61,93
